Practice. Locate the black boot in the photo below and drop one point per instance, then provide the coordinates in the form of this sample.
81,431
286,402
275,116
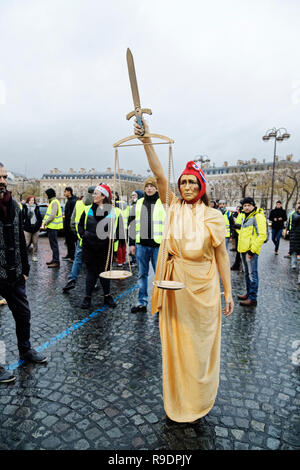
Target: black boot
235,267
109,301
70,285
86,302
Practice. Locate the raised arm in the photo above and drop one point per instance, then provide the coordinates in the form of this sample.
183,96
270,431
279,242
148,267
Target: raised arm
154,163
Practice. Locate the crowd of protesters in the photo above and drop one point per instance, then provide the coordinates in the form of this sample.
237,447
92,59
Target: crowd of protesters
137,233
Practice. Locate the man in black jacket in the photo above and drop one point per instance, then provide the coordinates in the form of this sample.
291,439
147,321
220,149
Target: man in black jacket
277,217
71,239
14,270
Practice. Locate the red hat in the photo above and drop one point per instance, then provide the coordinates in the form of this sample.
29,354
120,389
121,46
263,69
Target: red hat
193,169
104,189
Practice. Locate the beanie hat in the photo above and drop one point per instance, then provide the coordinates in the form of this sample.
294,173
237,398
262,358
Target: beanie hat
139,193
248,200
193,169
91,189
50,193
105,190
151,180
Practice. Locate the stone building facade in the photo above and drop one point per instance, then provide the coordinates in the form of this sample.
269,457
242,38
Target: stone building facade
80,181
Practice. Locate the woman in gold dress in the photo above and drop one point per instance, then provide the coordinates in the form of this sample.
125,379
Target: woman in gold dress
190,318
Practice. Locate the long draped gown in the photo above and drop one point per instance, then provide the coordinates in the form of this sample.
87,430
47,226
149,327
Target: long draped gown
190,318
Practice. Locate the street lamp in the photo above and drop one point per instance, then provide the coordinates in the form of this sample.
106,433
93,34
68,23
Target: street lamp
202,159
278,135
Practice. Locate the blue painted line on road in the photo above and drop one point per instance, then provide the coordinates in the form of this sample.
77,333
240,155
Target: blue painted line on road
71,329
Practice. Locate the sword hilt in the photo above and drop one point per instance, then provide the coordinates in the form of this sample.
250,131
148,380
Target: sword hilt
138,113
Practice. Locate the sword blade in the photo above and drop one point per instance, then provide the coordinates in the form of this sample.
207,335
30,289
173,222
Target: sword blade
133,80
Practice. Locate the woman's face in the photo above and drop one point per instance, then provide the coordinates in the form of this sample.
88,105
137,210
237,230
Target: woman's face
98,197
189,187
31,201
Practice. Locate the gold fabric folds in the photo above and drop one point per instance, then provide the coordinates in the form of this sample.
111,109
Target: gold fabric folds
190,319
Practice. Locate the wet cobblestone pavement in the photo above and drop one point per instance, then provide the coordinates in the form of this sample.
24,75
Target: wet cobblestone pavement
102,386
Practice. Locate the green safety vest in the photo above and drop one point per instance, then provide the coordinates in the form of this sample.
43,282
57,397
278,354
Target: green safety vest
290,218
158,220
57,223
125,214
79,209
226,216
115,215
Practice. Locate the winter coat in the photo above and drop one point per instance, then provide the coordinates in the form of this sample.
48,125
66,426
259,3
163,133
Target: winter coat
69,207
253,232
13,252
27,222
277,214
94,249
295,234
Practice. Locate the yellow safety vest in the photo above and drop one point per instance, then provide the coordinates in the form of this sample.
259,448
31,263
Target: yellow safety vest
79,209
291,219
115,215
125,214
253,232
158,220
226,216
57,223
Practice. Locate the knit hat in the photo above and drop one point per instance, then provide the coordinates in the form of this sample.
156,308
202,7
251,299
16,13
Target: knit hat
50,193
105,190
151,180
193,169
248,200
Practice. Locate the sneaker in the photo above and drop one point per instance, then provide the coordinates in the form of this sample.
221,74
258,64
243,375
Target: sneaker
33,356
70,285
109,301
49,262
34,258
276,252
294,267
139,308
66,258
86,303
3,302
5,376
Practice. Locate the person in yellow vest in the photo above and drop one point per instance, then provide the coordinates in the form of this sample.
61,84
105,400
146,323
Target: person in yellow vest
120,247
52,222
149,225
94,230
135,196
79,208
228,220
252,235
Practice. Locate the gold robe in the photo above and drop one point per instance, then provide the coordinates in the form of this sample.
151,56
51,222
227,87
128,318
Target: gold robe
190,318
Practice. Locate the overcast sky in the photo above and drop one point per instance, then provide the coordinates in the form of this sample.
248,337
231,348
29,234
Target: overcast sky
217,74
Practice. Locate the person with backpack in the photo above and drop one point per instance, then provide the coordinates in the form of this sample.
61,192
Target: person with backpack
252,235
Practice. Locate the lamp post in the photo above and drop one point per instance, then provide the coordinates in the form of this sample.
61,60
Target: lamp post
202,159
278,135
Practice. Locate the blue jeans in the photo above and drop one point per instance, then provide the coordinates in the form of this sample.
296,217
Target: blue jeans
77,263
251,275
276,235
144,255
